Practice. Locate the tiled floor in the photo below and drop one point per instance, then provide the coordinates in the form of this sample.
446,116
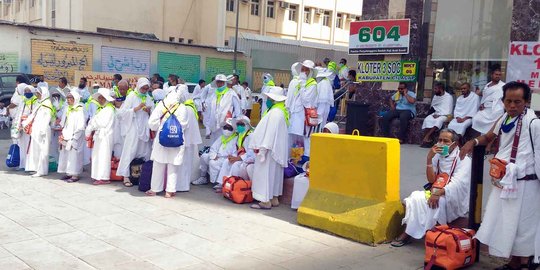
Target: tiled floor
49,224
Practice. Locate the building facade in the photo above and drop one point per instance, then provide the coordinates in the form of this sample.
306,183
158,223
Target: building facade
203,22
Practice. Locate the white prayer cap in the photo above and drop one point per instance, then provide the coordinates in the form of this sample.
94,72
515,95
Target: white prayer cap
276,93
332,127
230,78
43,84
142,82
220,78
104,92
95,85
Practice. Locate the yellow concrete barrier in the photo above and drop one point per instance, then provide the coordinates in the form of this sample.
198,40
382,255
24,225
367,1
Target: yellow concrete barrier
354,187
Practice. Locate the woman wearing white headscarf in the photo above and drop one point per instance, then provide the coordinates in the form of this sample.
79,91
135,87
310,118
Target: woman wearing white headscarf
72,138
102,126
135,113
269,142
25,101
242,165
39,124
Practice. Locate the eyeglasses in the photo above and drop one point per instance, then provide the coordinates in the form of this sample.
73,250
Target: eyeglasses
229,128
401,88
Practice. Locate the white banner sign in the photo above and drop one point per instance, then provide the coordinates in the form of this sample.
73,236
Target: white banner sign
121,60
524,66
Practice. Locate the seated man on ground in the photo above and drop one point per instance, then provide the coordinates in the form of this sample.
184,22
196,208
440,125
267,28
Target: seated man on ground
441,105
466,107
402,106
220,151
447,197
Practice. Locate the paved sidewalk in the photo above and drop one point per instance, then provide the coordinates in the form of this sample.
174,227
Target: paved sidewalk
49,224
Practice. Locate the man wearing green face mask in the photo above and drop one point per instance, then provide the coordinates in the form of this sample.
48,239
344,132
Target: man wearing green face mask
225,104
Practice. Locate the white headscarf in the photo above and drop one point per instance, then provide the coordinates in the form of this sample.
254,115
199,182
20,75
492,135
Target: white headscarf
32,89
142,82
20,88
44,92
76,96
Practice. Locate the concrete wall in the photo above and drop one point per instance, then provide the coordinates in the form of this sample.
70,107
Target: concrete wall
18,39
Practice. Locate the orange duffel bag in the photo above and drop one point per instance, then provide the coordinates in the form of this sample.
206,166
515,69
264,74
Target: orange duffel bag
114,167
237,189
450,248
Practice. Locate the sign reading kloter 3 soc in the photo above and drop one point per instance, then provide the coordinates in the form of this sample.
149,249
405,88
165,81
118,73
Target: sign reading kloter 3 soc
380,37
387,71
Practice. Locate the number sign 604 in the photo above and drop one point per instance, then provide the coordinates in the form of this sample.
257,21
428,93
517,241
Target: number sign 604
378,34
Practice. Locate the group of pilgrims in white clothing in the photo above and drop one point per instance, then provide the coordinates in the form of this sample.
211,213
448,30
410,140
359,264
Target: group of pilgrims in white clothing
121,124
476,109
511,222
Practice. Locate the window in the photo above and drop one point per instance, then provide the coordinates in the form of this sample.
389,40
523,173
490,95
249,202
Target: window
339,21
255,7
326,18
53,13
32,3
171,39
230,5
307,15
292,13
270,9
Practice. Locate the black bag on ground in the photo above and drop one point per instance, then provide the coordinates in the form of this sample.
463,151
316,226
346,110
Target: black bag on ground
146,176
135,170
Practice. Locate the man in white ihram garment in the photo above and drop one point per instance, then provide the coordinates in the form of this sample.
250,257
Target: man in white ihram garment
225,104
466,108
269,142
239,90
442,104
134,116
304,95
39,123
207,95
491,106
71,139
425,208
325,95
513,209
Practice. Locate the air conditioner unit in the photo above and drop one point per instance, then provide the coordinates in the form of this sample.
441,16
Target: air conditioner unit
245,2
283,4
320,11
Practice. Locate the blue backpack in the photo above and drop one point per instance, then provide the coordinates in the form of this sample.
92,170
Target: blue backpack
14,156
171,134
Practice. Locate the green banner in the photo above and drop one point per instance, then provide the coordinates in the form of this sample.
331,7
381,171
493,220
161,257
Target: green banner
387,71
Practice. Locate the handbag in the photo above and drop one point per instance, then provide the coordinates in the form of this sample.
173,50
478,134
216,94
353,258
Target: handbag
497,168
312,118
450,248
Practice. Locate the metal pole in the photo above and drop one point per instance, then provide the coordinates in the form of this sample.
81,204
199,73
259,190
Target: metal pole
237,3
475,201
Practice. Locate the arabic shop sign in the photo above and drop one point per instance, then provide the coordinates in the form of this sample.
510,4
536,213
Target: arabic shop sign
121,60
9,62
55,60
387,71
105,79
